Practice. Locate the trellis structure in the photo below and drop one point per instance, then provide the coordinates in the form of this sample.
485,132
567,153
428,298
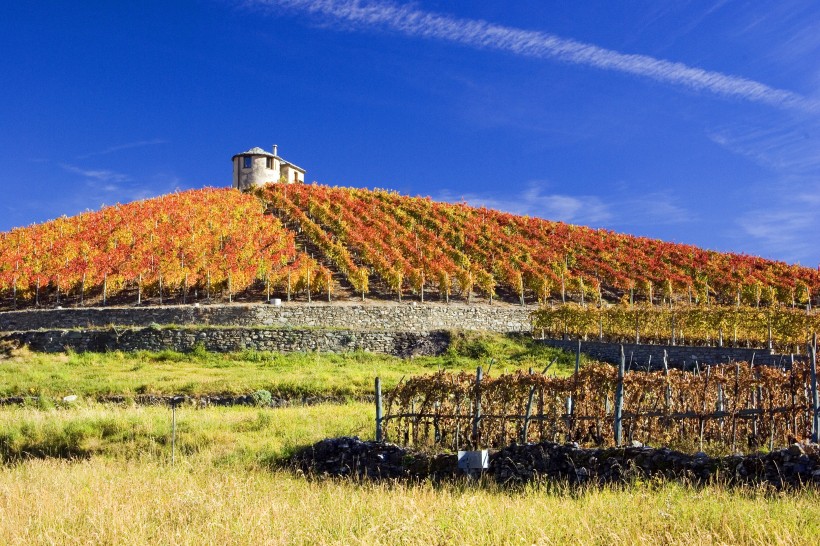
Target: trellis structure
737,406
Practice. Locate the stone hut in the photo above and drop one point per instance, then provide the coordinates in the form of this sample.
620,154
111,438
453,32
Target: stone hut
257,167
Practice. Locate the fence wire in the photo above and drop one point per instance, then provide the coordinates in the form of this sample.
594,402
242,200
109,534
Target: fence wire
735,406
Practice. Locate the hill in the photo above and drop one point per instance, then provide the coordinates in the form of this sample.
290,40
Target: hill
289,239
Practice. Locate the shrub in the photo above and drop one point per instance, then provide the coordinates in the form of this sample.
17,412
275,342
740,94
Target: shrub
262,397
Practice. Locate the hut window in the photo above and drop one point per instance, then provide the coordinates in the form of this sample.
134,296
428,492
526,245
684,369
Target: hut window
269,162
246,162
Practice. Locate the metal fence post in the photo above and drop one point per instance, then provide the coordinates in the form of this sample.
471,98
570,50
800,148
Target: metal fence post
815,400
619,399
528,413
379,416
578,358
479,374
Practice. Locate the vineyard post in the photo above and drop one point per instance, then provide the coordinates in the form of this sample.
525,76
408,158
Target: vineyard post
573,396
702,418
793,390
619,399
528,413
734,405
815,399
720,405
577,360
668,393
379,416
479,374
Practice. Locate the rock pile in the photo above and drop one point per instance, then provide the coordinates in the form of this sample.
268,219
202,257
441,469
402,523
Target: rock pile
792,467
352,457
199,401
795,466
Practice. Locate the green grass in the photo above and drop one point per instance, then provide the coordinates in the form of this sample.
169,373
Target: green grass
210,436
92,473
285,375
118,486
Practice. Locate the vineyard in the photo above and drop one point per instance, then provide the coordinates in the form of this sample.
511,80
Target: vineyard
421,246
778,327
726,407
289,239
189,245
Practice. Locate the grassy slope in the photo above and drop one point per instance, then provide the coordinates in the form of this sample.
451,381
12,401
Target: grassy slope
287,375
222,490
253,438
119,485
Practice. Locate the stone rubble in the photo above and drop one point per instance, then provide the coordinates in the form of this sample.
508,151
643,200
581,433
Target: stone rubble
202,401
792,467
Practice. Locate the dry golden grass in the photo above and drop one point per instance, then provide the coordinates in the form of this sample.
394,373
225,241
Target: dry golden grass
105,501
122,488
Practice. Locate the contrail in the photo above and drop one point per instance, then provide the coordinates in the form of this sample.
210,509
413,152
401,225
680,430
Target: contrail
528,43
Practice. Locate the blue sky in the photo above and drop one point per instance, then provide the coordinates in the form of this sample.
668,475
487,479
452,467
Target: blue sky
696,122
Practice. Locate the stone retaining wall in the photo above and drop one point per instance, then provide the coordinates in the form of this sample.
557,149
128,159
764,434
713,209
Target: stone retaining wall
403,344
679,356
409,317
797,466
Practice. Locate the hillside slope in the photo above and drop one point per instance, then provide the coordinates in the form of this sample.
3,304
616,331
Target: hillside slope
184,245
289,239
419,244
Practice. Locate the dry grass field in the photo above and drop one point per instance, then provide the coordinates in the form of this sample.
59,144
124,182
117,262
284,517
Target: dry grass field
227,486
92,473
105,501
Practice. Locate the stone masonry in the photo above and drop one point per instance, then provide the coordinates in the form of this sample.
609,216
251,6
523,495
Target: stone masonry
229,339
679,356
397,317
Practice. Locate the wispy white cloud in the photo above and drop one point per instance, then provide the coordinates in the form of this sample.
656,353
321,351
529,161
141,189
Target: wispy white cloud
576,209
777,211
650,209
783,231
410,21
126,146
99,175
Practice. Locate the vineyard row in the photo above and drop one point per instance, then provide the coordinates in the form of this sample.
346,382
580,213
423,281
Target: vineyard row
781,328
420,245
724,407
